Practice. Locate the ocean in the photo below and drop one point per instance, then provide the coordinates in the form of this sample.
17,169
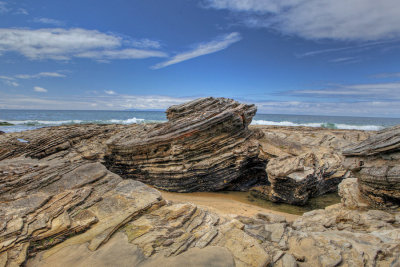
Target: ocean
22,120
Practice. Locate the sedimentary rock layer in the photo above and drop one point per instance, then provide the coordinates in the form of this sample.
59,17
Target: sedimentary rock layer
205,146
66,209
303,162
376,164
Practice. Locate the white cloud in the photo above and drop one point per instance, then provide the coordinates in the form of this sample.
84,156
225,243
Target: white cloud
48,21
389,108
9,81
354,108
39,89
315,19
2,77
82,102
202,49
3,7
21,11
359,92
110,92
387,75
146,43
64,44
130,53
39,75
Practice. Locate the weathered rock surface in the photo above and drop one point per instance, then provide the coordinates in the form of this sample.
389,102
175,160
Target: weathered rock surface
205,146
303,162
376,164
59,206
81,141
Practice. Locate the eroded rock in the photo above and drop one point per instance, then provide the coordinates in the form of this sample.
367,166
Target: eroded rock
205,146
376,164
303,162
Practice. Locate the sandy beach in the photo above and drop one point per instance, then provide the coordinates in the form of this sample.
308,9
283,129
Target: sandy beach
222,204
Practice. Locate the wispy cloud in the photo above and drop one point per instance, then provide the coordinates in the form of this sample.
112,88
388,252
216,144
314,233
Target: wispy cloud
13,80
110,92
146,43
351,108
49,21
3,7
40,75
9,7
39,89
387,75
21,11
83,102
9,81
202,49
342,59
130,53
64,44
353,20
350,49
360,92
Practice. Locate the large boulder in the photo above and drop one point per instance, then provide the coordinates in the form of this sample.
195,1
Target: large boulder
376,164
205,146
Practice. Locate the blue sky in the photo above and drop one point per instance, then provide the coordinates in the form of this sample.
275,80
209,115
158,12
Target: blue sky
331,57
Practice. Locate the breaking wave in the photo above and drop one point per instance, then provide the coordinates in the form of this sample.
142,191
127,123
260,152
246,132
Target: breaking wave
320,124
53,123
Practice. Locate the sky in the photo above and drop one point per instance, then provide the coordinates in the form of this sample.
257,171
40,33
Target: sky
317,57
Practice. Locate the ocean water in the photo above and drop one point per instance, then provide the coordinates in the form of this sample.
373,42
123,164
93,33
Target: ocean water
32,119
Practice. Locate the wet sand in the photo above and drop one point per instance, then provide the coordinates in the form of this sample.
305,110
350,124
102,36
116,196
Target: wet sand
224,204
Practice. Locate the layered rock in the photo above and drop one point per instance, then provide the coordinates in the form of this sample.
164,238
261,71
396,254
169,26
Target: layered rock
205,146
66,209
84,141
376,164
303,162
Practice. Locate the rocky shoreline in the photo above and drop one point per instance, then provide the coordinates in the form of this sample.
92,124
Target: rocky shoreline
73,195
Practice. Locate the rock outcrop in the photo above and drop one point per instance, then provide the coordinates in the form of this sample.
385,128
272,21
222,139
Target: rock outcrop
59,206
303,162
205,146
376,164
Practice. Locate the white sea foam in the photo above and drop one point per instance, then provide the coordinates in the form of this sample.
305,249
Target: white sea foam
39,122
320,124
128,121
28,124
44,123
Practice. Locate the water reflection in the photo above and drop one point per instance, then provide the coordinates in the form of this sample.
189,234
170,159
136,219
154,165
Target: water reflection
314,203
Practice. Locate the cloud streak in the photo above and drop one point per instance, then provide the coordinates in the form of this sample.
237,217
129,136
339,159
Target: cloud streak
387,75
202,49
40,75
64,44
84,102
353,20
359,92
49,21
3,7
39,89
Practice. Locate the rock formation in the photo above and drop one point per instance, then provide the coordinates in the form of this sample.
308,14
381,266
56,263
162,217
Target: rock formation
60,206
376,164
205,146
303,162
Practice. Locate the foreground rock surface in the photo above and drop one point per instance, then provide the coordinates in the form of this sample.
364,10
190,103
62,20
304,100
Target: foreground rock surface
205,146
376,164
59,206
303,162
